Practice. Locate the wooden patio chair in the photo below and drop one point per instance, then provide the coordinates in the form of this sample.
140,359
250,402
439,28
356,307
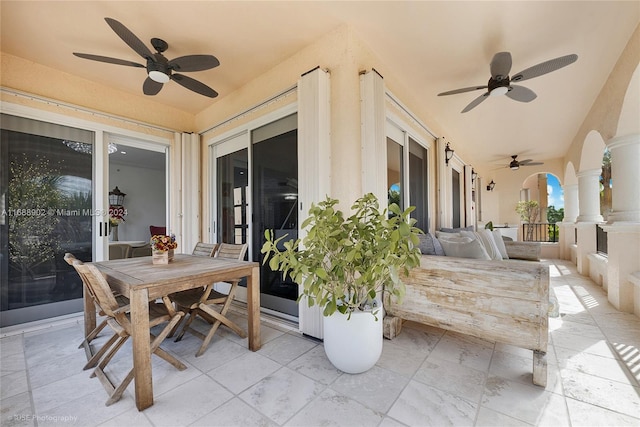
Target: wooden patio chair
119,321
123,303
202,303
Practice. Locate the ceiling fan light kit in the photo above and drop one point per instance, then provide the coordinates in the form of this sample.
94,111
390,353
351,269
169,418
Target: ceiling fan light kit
500,83
160,70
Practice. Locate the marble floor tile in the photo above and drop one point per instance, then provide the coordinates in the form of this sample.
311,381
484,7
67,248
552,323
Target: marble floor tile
377,388
64,391
612,395
315,365
282,394
528,403
11,345
286,348
583,414
452,377
194,399
422,405
89,409
13,384
490,418
331,408
12,363
392,352
234,413
17,410
465,350
605,367
241,373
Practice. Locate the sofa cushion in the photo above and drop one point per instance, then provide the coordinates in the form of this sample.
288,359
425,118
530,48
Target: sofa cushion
486,238
464,247
429,245
497,237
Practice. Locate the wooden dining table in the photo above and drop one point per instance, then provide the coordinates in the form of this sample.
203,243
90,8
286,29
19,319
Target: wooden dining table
142,281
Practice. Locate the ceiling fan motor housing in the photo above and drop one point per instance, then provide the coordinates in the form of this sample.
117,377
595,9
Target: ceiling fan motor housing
494,84
158,68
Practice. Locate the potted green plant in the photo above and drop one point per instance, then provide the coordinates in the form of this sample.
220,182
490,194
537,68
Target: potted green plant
344,264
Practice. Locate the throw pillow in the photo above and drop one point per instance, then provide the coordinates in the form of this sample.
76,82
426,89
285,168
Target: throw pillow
464,249
497,237
486,242
429,245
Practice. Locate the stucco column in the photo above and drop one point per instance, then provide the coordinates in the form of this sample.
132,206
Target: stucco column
567,227
570,203
625,174
589,203
623,231
589,195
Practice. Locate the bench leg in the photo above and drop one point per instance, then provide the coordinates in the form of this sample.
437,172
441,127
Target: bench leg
391,326
540,368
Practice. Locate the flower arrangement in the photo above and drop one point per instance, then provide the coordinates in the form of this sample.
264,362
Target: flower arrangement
116,214
161,243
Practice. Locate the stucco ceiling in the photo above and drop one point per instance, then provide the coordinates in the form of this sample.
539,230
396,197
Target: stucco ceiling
430,46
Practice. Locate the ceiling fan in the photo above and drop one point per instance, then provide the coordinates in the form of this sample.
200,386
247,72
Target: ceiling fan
515,164
500,83
159,69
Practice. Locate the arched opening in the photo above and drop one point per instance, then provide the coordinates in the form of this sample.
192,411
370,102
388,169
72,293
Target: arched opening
541,207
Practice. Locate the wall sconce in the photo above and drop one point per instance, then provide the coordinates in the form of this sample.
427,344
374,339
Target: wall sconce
491,186
474,175
116,197
448,154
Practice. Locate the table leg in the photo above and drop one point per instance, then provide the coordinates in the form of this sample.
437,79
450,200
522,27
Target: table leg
141,348
89,312
253,308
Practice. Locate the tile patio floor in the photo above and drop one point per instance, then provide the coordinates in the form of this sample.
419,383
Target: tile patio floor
426,377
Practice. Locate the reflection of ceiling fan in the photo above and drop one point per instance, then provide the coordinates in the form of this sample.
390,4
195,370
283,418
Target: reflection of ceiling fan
515,164
500,83
159,69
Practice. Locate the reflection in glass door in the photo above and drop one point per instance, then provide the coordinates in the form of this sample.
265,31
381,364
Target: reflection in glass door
46,201
275,202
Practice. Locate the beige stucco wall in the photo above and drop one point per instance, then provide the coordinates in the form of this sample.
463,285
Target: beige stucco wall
345,56
605,112
30,77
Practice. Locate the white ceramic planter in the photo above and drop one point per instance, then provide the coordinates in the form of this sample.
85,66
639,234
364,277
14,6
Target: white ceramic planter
353,345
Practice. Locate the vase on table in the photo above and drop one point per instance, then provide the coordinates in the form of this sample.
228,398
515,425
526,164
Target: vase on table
114,233
162,257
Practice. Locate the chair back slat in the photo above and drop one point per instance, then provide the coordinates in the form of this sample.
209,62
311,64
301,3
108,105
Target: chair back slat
204,249
98,287
232,251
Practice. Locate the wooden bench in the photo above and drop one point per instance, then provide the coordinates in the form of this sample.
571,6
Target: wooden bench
501,301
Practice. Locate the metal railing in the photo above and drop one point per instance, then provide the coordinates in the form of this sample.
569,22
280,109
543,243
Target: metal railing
601,240
540,232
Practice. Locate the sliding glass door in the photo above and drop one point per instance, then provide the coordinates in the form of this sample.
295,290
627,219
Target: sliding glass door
256,188
275,203
46,201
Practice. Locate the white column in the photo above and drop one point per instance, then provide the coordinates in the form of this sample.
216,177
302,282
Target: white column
373,133
314,165
589,195
623,235
625,174
571,205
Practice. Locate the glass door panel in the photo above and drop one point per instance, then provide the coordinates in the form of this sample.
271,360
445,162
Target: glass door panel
418,196
395,173
46,199
232,180
274,204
